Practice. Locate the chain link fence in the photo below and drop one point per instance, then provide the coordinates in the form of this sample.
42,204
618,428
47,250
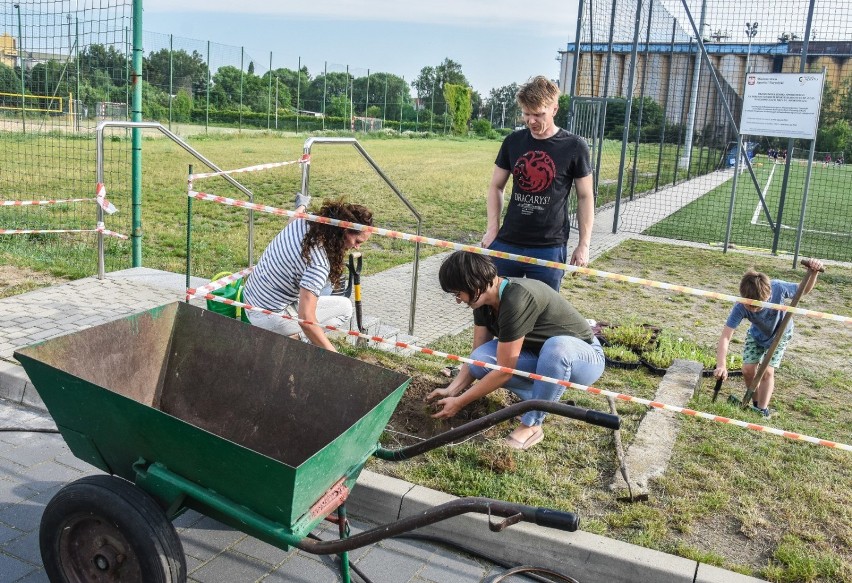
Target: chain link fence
62,69
657,89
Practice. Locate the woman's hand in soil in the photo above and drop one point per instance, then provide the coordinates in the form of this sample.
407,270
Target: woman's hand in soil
449,407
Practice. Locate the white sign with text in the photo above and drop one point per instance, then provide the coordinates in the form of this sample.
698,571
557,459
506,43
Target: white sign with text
783,105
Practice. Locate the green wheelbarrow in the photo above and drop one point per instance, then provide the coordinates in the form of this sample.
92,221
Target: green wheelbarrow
187,409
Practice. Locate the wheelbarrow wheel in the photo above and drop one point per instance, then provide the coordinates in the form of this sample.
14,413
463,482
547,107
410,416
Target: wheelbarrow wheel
103,529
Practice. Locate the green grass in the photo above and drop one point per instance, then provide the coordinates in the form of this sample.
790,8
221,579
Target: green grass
444,179
826,222
750,502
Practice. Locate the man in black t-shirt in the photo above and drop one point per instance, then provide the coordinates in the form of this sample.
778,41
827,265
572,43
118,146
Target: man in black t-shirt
544,162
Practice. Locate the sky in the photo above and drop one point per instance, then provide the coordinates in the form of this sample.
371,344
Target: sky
497,42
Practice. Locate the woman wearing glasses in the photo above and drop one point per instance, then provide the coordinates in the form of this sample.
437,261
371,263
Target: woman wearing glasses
519,324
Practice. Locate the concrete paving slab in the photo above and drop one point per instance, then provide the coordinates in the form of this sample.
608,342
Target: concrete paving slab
649,454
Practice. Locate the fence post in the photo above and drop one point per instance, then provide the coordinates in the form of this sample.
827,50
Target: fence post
207,108
298,90
385,106
269,101
401,104
171,77
324,90
136,139
693,98
242,58
23,71
628,107
366,97
572,93
641,100
803,60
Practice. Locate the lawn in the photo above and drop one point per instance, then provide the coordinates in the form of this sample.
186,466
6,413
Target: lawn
827,233
445,180
738,499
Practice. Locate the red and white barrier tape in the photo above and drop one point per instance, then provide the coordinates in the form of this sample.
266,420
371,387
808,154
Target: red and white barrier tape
214,285
536,377
511,256
100,199
42,202
305,159
37,231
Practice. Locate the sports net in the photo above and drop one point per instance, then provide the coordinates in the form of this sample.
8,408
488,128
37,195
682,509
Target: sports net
64,66
669,162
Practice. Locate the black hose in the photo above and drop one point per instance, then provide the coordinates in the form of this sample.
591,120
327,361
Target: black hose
513,569
528,571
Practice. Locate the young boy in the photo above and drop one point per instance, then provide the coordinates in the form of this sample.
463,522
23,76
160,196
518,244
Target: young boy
764,327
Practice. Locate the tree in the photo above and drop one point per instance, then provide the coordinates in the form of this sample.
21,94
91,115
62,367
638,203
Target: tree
226,87
561,118
383,88
188,71
498,99
430,84
459,106
294,83
49,78
9,80
107,60
323,88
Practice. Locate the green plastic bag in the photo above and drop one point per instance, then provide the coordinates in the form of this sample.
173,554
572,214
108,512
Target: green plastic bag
232,291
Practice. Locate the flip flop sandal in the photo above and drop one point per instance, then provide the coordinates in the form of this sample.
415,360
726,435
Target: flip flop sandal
525,445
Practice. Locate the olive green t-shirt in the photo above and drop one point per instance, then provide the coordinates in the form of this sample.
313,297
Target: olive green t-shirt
532,309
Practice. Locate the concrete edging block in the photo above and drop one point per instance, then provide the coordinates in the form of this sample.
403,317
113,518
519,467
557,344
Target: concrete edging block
711,574
13,382
582,555
377,498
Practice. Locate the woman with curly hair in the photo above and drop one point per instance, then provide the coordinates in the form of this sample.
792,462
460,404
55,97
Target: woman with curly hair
298,265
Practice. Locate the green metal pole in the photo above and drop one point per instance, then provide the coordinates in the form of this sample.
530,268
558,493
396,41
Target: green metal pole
298,90
269,101
23,71
324,90
78,111
188,235
207,109
136,137
171,77
242,58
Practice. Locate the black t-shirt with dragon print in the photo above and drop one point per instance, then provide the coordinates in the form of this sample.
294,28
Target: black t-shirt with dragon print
543,172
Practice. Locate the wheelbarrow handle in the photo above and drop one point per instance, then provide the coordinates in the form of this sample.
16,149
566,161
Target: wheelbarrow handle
599,418
512,513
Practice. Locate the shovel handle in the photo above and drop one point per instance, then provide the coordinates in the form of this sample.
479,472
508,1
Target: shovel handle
717,388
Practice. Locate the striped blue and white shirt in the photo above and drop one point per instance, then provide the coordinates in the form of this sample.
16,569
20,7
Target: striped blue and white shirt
274,284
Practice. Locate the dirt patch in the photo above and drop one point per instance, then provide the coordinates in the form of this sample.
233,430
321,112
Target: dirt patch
18,280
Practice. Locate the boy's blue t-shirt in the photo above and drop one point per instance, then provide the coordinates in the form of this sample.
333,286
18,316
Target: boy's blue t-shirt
765,322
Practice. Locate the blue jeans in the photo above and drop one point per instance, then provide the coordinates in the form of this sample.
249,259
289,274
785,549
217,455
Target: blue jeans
549,275
562,357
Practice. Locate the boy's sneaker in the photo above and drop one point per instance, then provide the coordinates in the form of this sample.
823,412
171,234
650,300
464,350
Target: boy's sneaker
766,411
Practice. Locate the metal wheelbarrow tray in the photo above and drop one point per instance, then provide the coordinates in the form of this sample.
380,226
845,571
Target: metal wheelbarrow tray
261,432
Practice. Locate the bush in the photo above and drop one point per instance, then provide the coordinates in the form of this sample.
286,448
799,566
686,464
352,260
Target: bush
481,127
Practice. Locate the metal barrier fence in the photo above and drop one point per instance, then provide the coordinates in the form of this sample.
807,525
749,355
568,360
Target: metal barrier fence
684,66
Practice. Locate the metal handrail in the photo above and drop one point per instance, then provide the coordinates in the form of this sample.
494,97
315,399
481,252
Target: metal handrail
353,142
157,126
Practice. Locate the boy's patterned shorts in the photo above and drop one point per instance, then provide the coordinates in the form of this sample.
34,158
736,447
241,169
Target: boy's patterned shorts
753,352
